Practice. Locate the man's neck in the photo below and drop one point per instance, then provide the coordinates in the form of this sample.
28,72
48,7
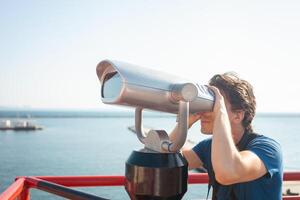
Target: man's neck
237,134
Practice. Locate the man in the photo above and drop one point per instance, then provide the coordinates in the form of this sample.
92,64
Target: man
240,164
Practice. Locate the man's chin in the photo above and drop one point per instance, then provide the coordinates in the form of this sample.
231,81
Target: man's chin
206,132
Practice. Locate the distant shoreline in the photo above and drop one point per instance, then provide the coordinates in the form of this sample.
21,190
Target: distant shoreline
76,114
44,113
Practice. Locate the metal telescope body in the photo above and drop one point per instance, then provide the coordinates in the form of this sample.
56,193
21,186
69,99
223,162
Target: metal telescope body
158,171
135,86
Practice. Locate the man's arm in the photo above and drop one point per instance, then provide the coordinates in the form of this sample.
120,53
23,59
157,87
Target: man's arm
193,160
230,165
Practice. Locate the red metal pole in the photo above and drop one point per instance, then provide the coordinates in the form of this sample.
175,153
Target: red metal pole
25,195
13,191
85,181
60,190
291,198
291,176
90,181
198,178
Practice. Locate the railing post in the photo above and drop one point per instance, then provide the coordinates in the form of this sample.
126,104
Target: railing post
25,195
14,191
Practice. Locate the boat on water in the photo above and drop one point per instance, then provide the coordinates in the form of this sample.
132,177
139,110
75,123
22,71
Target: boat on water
18,125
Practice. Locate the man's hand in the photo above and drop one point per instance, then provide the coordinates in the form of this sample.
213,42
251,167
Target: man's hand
193,118
219,104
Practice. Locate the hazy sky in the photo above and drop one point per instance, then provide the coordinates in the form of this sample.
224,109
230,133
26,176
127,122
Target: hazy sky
49,49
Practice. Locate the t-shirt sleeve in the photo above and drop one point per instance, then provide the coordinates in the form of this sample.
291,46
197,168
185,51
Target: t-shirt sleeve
202,149
269,151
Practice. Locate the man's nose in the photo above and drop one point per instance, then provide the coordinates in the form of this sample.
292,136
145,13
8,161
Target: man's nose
205,115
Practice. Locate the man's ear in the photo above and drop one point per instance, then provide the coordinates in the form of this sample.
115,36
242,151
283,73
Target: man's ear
238,116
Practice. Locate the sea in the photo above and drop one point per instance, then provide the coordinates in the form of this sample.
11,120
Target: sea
76,142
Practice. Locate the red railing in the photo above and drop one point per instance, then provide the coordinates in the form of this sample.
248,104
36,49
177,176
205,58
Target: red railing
59,185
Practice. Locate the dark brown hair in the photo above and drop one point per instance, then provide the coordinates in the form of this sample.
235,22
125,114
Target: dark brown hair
239,93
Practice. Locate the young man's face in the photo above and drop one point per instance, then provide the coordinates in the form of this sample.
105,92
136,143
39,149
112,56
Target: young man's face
207,123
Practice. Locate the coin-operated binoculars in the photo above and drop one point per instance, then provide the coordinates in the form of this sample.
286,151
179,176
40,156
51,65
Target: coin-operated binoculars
158,171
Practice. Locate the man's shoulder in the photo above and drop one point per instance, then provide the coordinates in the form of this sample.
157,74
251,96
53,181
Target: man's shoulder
267,149
264,140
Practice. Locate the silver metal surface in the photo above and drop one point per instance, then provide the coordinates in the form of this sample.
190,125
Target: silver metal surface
162,143
131,85
139,125
155,139
155,90
183,122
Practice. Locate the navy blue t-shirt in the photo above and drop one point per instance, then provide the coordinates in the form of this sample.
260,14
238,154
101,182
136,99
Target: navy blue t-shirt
266,187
